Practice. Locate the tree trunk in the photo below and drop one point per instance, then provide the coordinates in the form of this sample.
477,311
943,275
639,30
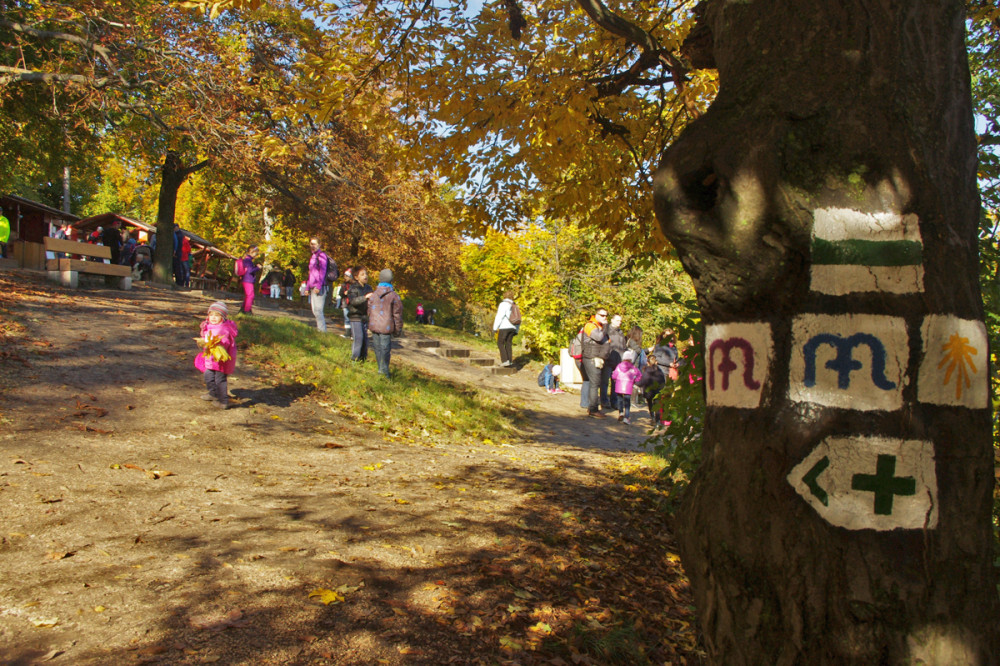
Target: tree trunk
826,208
172,176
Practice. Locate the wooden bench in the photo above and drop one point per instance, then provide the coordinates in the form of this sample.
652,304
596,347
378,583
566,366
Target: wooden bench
66,271
205,283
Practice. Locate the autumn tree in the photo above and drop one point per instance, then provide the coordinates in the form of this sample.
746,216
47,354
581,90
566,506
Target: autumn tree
825,206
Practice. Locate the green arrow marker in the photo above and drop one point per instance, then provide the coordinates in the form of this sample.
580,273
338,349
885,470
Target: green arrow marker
810,480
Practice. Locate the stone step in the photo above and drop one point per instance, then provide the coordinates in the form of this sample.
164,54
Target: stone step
500,370
427,344
482,362
453,352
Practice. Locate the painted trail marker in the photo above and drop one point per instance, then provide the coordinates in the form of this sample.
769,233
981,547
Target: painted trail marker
872,483
855,252
955,363
849,361
737,359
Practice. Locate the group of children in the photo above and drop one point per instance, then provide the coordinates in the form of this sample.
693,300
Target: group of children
625,377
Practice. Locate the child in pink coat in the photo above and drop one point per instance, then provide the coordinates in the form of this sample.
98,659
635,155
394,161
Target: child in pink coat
218,356
625,376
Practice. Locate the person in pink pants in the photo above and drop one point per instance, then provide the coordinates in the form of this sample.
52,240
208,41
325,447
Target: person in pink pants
249,278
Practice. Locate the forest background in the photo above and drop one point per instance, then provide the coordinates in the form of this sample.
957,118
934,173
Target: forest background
485,157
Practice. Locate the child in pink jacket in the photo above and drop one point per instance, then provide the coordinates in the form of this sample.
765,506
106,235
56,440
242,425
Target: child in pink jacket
625,377
217,358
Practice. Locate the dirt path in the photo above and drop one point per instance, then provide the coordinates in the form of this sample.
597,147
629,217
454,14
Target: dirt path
142,525
557,420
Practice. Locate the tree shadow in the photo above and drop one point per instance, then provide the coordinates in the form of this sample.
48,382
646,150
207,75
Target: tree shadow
279,395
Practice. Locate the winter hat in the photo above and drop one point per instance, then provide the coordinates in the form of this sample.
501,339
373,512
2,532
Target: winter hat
385,275
219,307
556,370
628,356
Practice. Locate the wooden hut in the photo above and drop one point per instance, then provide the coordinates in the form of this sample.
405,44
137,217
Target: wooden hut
30,222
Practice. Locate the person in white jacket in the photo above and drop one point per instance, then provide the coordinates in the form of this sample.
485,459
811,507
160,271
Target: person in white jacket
505,330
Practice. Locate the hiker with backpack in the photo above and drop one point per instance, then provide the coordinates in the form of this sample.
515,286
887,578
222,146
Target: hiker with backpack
322,271
506,324
247,271
595,350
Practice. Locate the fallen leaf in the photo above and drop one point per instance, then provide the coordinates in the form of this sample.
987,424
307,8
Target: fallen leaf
157,473
130,466
327,597
60,556
333,445
44,622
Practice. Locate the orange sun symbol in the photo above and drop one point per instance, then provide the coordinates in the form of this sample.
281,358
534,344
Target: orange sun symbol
958,357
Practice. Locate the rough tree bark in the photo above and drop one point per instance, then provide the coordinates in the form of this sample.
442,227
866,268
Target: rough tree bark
172,176
830,112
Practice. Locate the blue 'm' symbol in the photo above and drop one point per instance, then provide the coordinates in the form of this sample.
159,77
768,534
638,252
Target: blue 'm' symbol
844,362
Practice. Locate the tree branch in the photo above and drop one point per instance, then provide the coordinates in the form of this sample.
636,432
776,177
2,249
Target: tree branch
30,76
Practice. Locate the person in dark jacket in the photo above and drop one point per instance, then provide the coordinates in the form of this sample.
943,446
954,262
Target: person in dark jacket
385,319
618,347
288,281
596,348
111,237
651,382
357,312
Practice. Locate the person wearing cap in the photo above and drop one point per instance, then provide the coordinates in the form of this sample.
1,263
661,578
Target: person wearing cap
549,378
385,319
217,358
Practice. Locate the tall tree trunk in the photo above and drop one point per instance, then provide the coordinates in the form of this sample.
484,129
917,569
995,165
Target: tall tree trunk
172,176
826,208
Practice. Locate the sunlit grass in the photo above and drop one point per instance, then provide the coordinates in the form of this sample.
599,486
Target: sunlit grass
413,404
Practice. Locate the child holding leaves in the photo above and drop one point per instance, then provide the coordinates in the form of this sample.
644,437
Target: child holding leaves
217,358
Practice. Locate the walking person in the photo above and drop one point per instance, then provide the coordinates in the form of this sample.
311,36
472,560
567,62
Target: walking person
288,281
665,351
506,328
633,343
248,278
357,313
625,376
651,382
274,281
609,397
596,348
316,283
217,358
342,299
385,319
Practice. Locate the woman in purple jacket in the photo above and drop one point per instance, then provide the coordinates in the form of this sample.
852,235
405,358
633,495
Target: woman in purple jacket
249,278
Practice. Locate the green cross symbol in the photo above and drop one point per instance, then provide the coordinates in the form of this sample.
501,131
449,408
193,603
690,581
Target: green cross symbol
885,484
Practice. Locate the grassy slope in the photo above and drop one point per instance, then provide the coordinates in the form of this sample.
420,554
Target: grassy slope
413,404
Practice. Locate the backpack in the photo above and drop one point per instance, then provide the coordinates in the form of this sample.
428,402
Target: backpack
515,315
331,269
576,346
541,378
241,268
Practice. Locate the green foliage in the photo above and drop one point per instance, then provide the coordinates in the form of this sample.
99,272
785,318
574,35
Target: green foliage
561,273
